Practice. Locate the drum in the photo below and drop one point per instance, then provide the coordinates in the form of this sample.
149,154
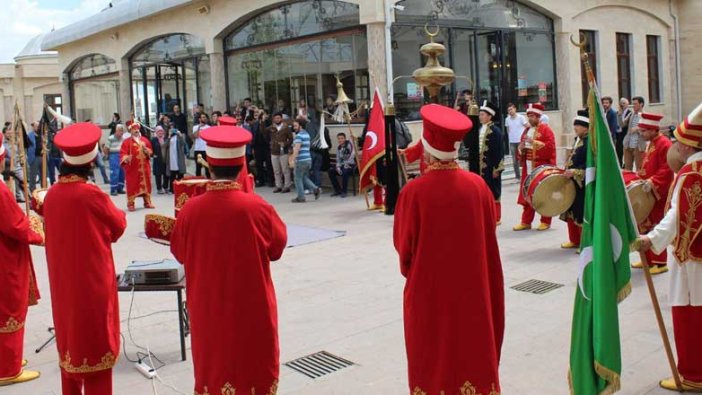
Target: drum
642,202
37,200
549,191
158,228
188,188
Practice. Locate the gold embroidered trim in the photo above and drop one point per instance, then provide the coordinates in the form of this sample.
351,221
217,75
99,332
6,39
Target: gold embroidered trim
466,389
37,226
11,326
181,200
229,389
224,186
453,165
69,179
106,362
165,224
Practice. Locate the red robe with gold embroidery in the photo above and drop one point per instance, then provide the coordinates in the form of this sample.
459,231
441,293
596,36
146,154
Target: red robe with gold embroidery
81,223
18,287
655,169
543,152
454,296
137,171
231,298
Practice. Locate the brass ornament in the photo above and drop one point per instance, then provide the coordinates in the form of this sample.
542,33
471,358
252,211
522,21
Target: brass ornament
433,76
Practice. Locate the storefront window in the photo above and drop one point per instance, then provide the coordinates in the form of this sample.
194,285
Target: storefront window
500,50
94,85
276,74
169,48
294,21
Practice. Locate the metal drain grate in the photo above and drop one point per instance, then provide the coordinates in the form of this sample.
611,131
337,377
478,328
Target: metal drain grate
537,287
318,364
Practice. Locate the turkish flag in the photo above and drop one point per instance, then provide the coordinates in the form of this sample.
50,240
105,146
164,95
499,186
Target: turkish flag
373,144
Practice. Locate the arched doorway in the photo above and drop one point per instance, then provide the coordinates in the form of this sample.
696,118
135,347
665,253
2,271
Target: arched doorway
168,71
295,51
94,89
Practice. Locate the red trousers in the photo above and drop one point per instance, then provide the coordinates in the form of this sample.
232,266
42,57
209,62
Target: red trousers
378,195
687,321
97,383
498,212
11,345
574,232
528,216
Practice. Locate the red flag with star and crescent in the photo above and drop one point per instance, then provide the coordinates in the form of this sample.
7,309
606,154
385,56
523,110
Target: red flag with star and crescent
373,144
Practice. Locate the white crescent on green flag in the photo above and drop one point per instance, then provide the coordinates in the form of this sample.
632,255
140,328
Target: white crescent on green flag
604,273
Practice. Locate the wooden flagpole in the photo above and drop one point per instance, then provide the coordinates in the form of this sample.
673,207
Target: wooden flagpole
661,323
19,134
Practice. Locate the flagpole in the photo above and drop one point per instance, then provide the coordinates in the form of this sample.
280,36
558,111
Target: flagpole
659,318
649,280
19,133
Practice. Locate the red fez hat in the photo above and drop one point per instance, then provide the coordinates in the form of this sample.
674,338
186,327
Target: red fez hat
227,121
134,126
444,129
79,143
2,148
226,145
535,108
689,132
650,121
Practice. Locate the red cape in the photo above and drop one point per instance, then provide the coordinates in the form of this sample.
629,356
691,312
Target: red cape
226,239
454,298
81,223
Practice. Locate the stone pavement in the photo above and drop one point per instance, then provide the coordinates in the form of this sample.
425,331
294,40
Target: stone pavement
345,296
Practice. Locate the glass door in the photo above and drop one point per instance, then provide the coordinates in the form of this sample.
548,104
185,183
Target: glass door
489,65
169,81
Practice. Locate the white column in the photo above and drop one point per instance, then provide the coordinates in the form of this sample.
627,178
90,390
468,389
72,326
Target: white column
219,93
376,57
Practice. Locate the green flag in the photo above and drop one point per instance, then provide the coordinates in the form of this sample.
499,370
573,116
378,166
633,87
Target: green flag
604,275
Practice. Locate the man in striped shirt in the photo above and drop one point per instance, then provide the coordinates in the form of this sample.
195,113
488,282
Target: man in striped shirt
301,161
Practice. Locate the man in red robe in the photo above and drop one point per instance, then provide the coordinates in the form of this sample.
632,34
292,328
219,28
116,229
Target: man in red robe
135,157
81,223
679,228
537,147
454,297
659,177
18,289
231,298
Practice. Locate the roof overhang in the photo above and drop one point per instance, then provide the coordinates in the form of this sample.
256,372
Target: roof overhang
120,13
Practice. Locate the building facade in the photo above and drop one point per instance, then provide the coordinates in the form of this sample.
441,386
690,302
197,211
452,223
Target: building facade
146,56
30,82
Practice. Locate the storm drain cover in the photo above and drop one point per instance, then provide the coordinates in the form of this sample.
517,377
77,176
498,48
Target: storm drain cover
537,287
318,364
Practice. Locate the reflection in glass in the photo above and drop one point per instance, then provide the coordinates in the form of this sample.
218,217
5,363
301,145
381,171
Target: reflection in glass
277,78
294,21
92,66
508,14
169,48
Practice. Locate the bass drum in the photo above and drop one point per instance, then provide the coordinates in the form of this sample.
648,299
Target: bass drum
187,188
549,191
642,202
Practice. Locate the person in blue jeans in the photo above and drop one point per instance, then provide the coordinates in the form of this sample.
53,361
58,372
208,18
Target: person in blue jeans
114,143
301,161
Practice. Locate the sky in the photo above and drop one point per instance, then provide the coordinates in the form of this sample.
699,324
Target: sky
20,20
